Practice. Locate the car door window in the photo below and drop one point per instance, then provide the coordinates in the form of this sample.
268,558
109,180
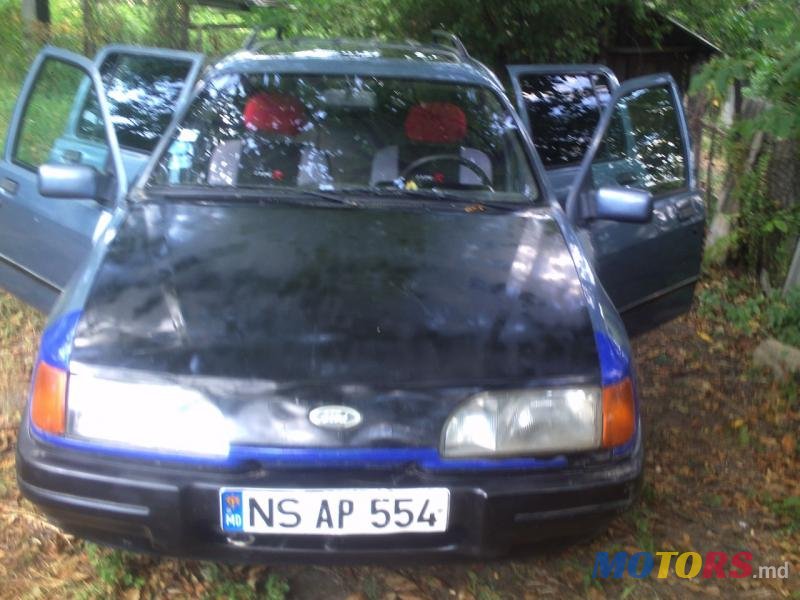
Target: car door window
563,111
142,92
643,146
648,268
45,134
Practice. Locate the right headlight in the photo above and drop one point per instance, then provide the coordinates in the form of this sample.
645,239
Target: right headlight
541,421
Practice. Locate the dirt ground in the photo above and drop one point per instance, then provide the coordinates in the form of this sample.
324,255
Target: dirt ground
721,475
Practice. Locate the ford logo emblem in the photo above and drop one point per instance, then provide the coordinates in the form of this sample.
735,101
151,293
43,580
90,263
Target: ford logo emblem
335,417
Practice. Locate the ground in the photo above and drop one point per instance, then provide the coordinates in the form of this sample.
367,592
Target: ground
722,474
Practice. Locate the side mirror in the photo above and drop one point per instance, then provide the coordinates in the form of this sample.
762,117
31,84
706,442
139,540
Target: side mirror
623,204
73,182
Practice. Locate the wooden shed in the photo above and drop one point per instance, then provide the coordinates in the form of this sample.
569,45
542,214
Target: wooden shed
679,51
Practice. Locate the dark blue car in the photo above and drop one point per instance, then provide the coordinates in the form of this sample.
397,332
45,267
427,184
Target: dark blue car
340,300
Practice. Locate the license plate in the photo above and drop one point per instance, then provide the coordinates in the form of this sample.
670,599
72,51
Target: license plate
334,512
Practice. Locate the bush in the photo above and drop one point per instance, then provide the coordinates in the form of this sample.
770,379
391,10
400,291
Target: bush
782,317
737,304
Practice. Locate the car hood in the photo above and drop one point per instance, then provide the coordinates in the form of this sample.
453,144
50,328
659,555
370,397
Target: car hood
329,305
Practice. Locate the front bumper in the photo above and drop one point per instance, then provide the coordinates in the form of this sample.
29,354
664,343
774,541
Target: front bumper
174,509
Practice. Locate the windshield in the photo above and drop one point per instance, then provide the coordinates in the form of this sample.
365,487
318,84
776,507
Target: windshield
348,133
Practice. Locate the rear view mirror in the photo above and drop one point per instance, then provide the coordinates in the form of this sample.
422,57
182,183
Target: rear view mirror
628,205
73,182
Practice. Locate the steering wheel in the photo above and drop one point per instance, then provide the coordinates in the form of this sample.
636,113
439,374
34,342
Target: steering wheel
411,169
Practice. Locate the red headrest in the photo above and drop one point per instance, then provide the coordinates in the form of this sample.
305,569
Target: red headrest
274,113
436,123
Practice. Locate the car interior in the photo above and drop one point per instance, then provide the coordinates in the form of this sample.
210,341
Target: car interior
332,133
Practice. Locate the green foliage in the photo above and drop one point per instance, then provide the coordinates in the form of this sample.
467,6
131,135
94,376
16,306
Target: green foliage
47,114
735,303
498,33
744,436
762,45
765,230
512,31
125,22
717,253
761,42
644,532
372,587
763,225
480,589
275,587
782,317
114,567
787,510
738,304
328,18
223,584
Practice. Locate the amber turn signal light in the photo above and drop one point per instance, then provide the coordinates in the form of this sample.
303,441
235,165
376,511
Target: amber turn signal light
619,413
49,399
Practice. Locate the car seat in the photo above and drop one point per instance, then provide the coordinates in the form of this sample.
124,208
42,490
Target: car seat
270,154
431,129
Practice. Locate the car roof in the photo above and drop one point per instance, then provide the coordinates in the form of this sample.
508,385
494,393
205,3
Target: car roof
405,60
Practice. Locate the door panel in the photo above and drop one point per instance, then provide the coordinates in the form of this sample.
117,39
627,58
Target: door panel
60,119
43,240
561,105
649,270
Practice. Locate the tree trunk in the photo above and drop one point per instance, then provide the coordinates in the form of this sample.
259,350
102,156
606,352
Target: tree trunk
36,16
89,42
171,20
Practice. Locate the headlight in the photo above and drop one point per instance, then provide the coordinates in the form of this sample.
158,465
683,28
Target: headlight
147,416
537,421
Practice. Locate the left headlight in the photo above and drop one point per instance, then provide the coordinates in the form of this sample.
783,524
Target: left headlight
158,417
532,422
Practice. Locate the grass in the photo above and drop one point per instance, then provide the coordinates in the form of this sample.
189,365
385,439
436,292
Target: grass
738,304
120,574
482,589
644,533
787,511
221,584
113,568
7,102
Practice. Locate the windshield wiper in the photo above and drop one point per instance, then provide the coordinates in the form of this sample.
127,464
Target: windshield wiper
335,196
249,192
434,194
329,196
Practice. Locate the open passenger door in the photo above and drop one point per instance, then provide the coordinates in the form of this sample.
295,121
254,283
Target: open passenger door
561,105
648,266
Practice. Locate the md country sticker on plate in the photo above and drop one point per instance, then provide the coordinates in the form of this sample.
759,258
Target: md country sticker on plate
334,512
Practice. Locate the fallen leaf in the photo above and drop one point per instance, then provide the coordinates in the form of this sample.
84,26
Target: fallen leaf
789,443
400,584
133,594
